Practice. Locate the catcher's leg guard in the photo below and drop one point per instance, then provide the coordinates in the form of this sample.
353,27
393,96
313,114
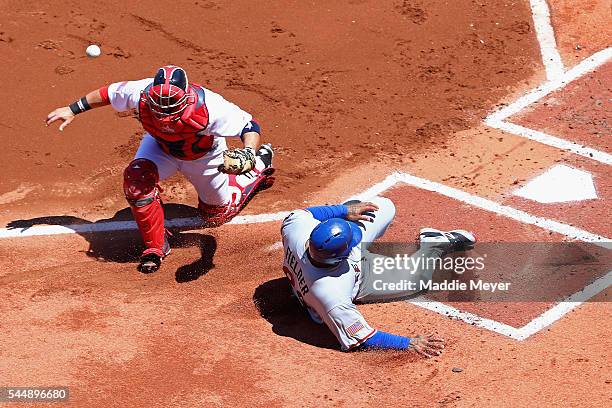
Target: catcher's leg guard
140,180
243,188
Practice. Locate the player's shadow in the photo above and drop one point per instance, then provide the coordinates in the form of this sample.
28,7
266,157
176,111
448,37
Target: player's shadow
125,246
277,304
194,270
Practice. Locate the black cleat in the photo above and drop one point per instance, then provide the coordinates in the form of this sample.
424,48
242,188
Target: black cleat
151,259
149,263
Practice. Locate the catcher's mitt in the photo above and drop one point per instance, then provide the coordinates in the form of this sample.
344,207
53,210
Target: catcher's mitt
238,161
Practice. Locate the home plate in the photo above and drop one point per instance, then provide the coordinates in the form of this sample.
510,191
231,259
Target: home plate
559,184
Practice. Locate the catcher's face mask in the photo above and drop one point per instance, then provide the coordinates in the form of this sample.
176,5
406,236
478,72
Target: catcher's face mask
168,96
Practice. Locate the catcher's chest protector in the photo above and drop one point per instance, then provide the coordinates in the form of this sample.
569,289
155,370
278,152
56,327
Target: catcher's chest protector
180,138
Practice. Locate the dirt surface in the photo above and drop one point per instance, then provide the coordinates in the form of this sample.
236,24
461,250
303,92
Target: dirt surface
580,112
582,27
347,92
334,85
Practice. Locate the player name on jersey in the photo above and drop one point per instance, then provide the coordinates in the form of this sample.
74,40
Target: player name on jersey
297,272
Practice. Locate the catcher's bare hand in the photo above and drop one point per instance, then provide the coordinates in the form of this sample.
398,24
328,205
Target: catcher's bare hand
238,161
64,114
427,346
361,212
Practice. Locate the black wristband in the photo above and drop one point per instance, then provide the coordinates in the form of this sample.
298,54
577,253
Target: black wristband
80,106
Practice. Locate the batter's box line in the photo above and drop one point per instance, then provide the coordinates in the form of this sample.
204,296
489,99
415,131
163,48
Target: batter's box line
498,119
544,320
521,333
110,226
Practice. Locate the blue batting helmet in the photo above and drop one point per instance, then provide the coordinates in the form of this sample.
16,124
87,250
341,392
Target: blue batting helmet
330,241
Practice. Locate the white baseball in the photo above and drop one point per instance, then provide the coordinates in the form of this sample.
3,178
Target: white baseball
93,51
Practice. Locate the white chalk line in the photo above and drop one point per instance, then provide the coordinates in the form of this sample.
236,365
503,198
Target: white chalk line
191,222
556,79
278,245
584,67
469,318
554,141
551,315
567,305
537,324
498,119
540,322
507,211
546,37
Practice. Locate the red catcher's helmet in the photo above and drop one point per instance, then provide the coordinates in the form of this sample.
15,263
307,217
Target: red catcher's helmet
168,95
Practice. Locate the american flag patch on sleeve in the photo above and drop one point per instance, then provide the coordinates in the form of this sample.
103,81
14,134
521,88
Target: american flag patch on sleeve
354,328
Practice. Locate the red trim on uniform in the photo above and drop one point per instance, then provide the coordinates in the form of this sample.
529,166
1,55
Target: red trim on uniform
104,94
362,340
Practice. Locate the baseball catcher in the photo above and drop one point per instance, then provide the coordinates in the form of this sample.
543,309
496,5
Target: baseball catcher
326,262
185,129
